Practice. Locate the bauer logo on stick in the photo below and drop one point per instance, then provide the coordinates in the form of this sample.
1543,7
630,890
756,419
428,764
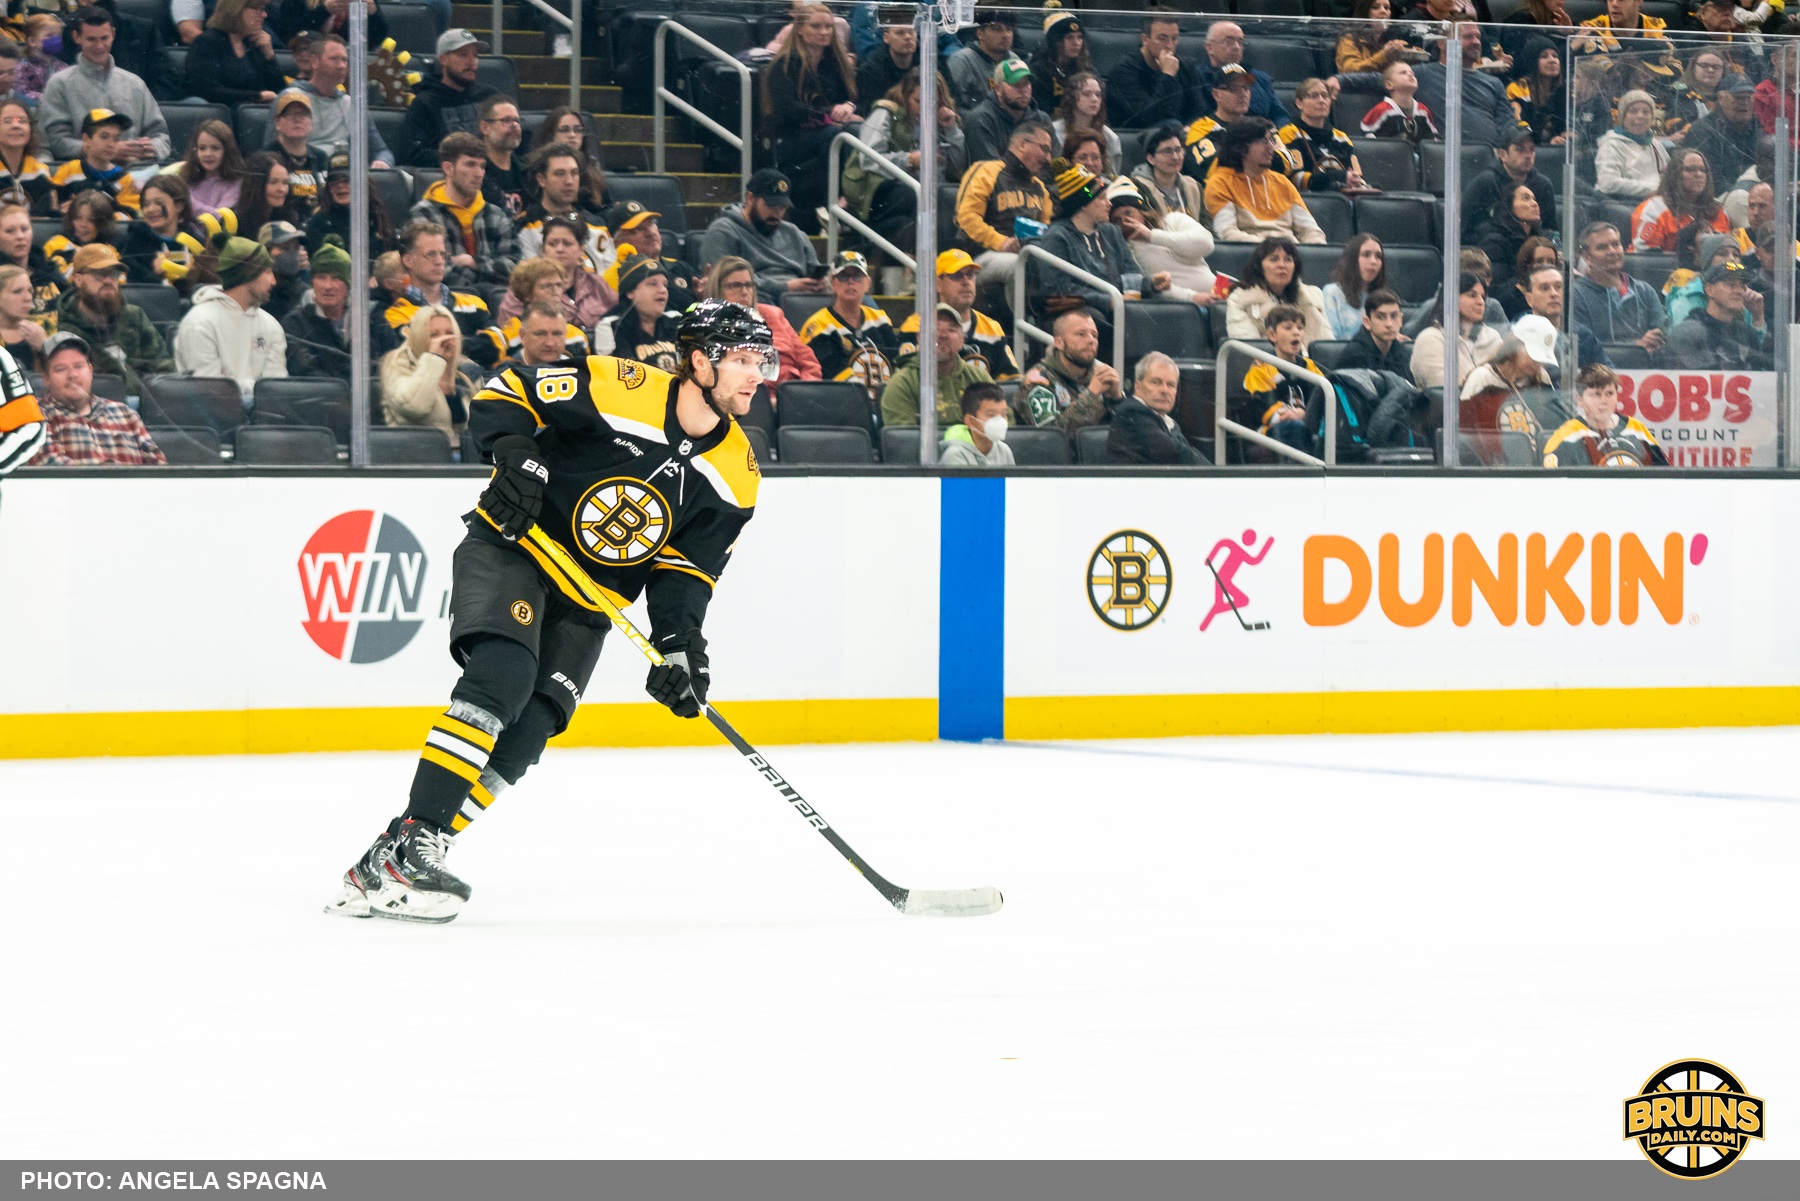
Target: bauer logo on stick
1693,1119
1129,580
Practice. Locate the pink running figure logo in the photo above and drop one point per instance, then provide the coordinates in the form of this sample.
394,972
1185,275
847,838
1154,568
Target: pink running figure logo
1226,594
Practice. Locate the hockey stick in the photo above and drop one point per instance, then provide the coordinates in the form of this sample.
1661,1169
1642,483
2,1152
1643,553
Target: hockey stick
914,902
1261,625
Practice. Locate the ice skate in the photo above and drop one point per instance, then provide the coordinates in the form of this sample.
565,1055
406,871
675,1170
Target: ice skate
362,880
417,886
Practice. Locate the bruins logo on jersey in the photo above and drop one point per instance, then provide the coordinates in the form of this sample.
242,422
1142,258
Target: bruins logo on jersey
631,374
621,521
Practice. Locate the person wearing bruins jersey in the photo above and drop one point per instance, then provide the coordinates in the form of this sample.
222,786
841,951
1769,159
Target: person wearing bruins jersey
851,340
1602,436
984,340
424,252
1231,102
641,477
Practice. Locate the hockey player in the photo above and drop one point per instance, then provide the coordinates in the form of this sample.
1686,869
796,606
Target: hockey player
642,478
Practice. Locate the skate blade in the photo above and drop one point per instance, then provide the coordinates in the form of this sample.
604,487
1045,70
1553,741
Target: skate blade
350,902
398,904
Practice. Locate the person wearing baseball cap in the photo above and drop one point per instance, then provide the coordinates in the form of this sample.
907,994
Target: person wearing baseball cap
84,429
973,66
984,339
634,228
98,169
448,102
956,373
852,340
306,163
124,341
641,326
758,231
1730,333
227,334
318,341
988,125
287,250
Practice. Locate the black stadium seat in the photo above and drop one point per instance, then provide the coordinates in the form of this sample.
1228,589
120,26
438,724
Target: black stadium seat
251,124
1178,329
1039,447
797,307
304,400
821,403
1289,62
1334,214
497,71
824,445
414,27
1398,220
390,123
1090,445
188,446
1327,354
900,445
187,400
286,446
407,445
1653,267
1629,356
1475,159
1414,272
395,193
1110,47
160,302
1390,164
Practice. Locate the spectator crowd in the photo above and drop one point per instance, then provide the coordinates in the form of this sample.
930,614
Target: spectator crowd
1181,160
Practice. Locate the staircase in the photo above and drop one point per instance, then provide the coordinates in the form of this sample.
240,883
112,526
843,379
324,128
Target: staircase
627,141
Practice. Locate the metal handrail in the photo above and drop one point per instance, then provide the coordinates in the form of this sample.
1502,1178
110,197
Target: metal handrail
836,212
572,23
743,140
1223,425
1023,328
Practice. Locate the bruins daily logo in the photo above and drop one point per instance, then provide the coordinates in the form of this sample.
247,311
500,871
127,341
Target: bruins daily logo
631,374
1693,1119
1129,580
621,521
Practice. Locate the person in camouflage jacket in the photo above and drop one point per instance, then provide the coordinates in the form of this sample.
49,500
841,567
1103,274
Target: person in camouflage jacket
124,341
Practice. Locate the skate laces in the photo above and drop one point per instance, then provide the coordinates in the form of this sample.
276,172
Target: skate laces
432,848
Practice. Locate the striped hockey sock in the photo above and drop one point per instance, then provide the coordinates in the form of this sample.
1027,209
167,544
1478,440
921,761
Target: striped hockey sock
451,765
481,794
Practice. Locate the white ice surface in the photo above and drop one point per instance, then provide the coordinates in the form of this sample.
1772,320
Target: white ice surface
1446,946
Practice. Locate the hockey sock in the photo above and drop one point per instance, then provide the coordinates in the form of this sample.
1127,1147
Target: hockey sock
451,763
482,793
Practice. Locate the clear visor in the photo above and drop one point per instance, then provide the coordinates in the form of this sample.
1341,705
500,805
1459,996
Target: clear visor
769,361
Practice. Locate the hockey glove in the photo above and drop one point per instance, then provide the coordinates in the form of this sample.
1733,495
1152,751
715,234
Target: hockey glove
680,681
516,493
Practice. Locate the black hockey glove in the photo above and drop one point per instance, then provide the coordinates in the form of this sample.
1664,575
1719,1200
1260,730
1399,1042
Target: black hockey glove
681,680
516,493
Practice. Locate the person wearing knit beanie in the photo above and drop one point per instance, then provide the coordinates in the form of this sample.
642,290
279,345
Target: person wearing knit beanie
227,333
241,261
1081,236
1063,54
331,260
1075,186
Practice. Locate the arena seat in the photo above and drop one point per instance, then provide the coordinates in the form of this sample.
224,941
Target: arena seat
1327,353
1177,328
1629,356
1414,272
761,416
414,27
1652,266
838,403
184,117
407,445
188,446
1110,47
159,301
318,401
286,446
759,444
394,191
191,400
1475,159
1399,220
1333,212
824,446
1287,61
1391,164
1090,445
900,445
251,124
495,70
798,307
1047,447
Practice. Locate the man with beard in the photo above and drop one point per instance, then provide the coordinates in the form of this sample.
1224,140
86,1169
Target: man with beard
557,169
449,104
501,133
122,337
483,250
226,334
1070,388
988,126
757,231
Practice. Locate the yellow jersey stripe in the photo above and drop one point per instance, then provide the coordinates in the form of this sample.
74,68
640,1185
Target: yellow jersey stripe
695,572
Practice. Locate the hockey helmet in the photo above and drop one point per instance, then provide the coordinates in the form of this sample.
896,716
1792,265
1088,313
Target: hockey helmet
718,327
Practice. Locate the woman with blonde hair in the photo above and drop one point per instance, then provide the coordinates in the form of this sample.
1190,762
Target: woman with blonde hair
808,94
425,380
233,62
733,279
22,337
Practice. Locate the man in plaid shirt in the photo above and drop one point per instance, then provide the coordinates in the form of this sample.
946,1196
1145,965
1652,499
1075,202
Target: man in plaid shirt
86,429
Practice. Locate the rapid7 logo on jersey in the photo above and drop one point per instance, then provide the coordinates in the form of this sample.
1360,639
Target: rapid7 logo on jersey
362,576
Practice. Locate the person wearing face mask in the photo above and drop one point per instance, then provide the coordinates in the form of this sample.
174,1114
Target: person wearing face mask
1142,429
979,439
43,45
956,375
287,249
758,230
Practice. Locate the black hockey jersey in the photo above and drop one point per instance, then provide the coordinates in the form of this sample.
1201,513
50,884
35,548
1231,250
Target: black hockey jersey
637,502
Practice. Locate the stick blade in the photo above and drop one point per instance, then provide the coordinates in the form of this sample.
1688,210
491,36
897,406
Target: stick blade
951,902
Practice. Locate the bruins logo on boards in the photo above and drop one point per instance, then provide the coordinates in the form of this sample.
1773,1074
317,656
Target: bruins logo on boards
1129,580
1693,1119
621,521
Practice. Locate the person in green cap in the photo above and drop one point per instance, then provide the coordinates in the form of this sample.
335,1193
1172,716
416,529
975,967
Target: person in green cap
318,328
900,399
226,333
